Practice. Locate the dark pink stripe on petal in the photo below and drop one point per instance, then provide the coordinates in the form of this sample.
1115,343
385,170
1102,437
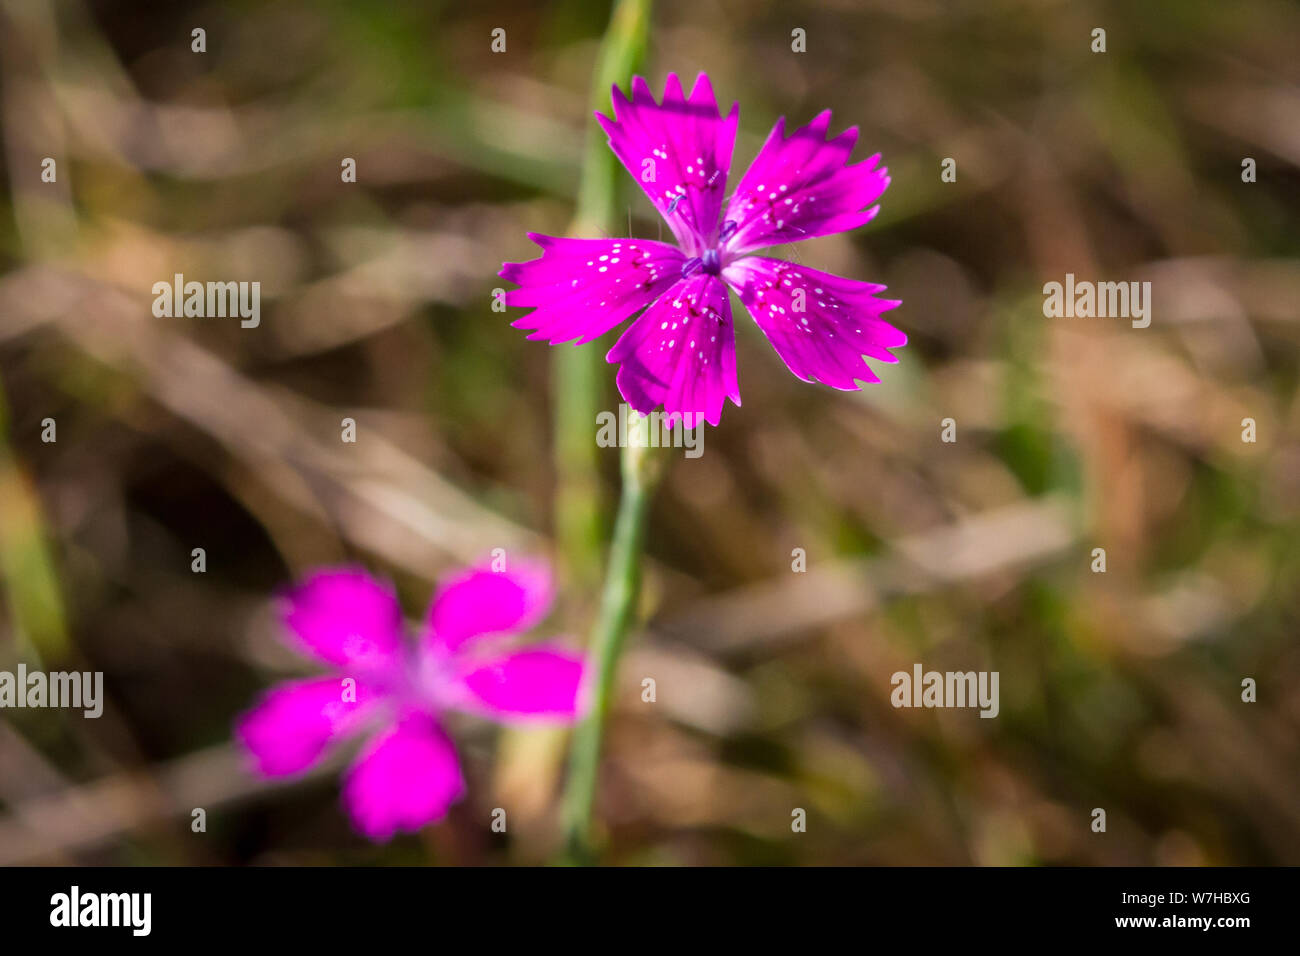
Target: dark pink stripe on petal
801,186
820,324
581,288
681,353
679,152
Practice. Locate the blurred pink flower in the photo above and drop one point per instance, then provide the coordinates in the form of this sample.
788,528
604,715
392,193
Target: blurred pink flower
408,774
681,352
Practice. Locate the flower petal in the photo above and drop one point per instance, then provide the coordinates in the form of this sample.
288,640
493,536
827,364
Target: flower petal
481,602
581,288
678,151
800,187
406,778
820,324
293,723
681,353
540,682
346,618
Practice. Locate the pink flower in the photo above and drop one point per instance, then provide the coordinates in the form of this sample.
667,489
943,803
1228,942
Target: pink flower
681,353
408,774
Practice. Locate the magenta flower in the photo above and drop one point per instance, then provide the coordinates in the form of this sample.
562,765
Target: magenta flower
408,775
681,353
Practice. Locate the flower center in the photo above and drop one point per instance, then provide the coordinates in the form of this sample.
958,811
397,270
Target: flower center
710,262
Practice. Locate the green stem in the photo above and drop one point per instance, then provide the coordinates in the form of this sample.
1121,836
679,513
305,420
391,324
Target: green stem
578,373
641,470
579,378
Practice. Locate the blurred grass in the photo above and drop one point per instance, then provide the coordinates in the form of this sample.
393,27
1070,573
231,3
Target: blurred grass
31,579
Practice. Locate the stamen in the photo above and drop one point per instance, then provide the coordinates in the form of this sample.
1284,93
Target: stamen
728,230
689,266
